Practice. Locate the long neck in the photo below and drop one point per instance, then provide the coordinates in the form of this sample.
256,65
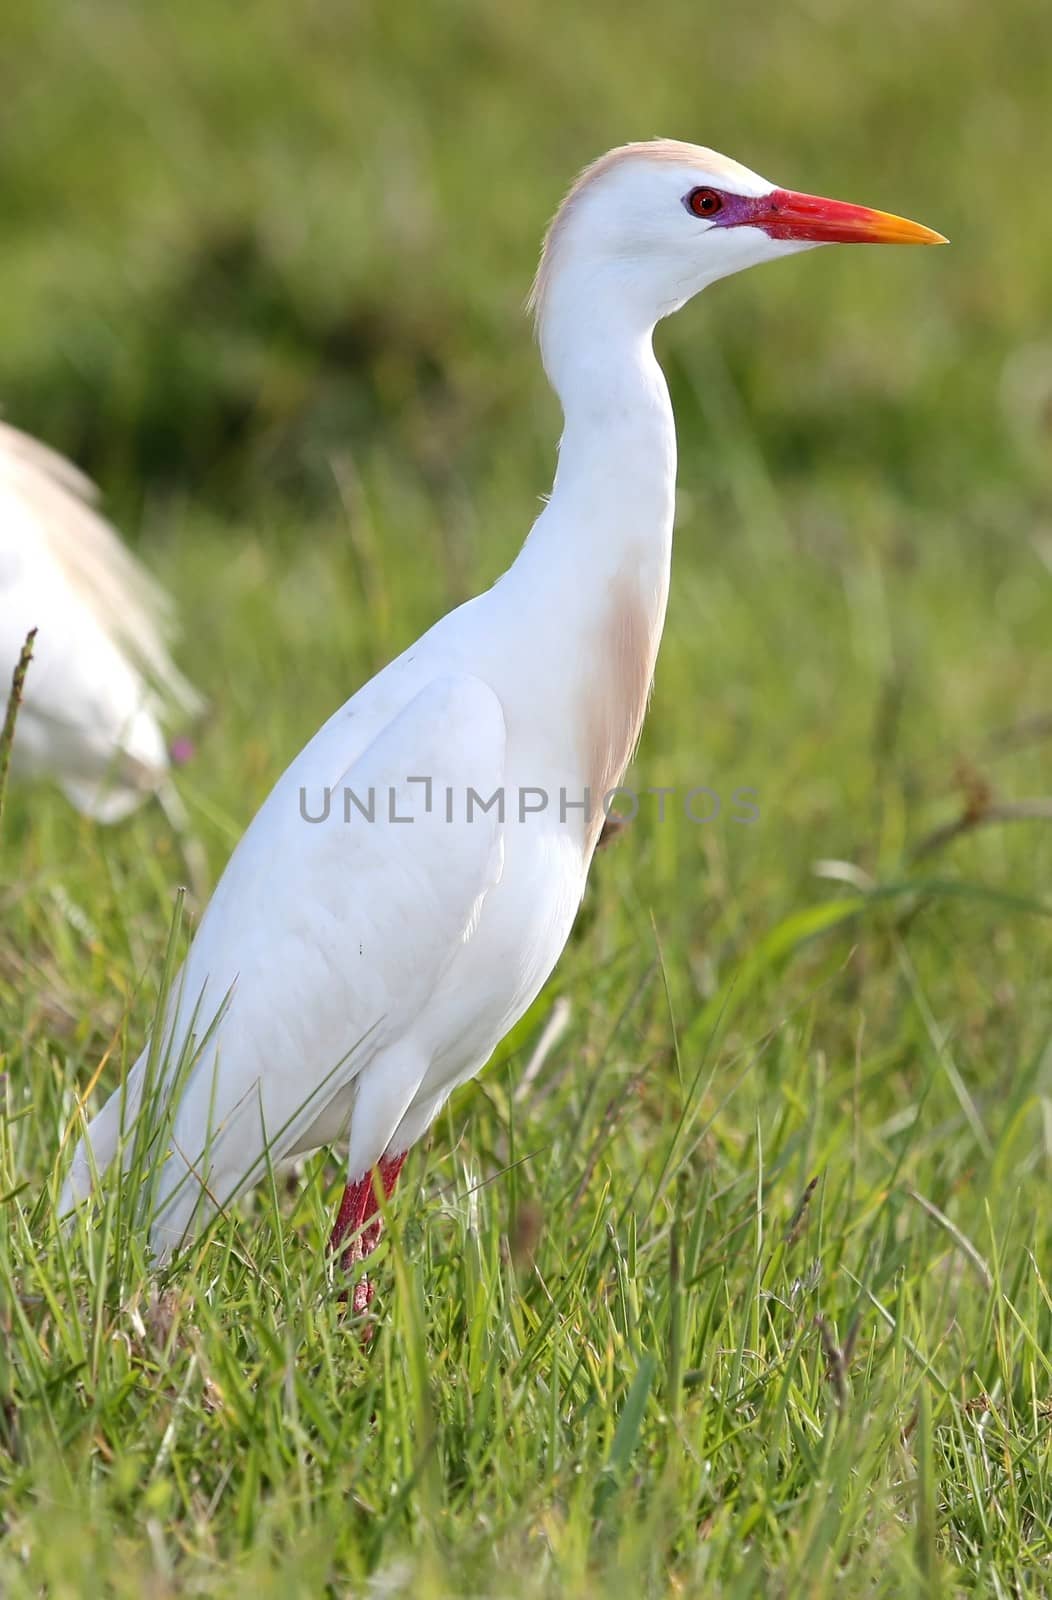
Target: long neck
613,498
598,558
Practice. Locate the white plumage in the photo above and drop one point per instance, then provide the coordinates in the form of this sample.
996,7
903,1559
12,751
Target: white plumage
101,677
350,972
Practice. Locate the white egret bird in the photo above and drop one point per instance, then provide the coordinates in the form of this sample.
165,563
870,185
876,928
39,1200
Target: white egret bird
101,677
410,882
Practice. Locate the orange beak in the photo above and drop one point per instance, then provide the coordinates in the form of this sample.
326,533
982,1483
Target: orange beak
784,214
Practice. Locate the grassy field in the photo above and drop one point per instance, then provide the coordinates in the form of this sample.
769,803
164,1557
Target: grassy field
749,1293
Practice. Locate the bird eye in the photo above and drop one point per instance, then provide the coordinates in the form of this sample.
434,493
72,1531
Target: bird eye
704,202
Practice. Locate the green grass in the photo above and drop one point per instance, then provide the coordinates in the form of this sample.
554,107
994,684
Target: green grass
749,1295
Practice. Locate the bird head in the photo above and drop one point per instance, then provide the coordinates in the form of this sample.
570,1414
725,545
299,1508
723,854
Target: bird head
649,225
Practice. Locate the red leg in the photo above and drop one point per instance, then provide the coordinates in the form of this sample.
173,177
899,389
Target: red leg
357,1208
389,1168
351,1214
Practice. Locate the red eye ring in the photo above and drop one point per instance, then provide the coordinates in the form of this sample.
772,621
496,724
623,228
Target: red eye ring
704,202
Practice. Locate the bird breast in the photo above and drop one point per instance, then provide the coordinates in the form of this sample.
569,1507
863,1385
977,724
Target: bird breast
616,687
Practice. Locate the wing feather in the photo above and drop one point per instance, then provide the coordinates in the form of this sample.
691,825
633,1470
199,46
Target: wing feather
326,938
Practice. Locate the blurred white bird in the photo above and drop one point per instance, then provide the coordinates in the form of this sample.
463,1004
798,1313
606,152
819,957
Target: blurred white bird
384,921
101,678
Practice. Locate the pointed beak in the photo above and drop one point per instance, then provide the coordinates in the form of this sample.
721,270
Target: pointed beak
784,214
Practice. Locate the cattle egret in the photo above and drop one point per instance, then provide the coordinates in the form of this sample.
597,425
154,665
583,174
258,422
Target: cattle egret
101,677
384,921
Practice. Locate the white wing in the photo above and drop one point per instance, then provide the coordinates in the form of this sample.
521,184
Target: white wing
101,671
324,941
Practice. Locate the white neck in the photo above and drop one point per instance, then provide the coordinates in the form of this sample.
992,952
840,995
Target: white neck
613,499
591,582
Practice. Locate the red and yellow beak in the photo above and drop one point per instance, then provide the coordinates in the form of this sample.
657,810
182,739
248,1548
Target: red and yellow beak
784,214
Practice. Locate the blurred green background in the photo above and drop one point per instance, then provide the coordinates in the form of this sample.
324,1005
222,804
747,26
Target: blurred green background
240,239
262,275
263,269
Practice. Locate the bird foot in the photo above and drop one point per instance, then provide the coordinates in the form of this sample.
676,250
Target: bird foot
362,1296
359,1296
